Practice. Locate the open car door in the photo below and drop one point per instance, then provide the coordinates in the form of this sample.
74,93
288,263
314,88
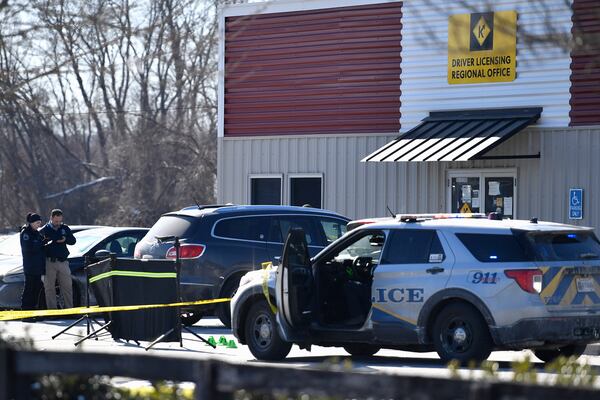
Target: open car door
295,280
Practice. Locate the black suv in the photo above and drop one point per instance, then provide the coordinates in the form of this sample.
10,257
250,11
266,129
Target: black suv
219,244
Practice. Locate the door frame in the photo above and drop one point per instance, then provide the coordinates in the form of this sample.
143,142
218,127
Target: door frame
284,285
482,173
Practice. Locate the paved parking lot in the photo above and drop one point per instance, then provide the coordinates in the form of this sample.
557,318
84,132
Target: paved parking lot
389,361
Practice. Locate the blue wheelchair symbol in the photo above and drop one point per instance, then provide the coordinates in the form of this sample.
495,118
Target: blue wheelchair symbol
576,204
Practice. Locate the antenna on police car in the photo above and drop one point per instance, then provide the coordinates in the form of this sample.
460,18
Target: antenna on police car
198,204
390,211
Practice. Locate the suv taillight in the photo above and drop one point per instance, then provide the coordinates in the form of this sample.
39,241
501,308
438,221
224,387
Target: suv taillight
530,280
186,251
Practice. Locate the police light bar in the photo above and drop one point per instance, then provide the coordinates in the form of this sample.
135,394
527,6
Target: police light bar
421,217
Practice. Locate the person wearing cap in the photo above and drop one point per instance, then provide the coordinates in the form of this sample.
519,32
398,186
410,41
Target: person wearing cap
57,266
34,261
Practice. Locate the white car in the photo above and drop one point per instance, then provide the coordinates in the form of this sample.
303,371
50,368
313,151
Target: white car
460,286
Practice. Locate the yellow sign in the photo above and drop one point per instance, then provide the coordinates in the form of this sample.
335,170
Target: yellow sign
482,47
465,209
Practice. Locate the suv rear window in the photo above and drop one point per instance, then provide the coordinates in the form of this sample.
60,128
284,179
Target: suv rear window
494,247
172,225
567,246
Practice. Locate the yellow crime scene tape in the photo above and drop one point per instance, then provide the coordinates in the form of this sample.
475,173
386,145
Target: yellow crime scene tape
266,266
15,315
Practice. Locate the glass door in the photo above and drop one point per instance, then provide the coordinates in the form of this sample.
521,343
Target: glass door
465,194
499,195
482,191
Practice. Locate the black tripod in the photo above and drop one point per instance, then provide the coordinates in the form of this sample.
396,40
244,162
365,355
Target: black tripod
179,325
88,320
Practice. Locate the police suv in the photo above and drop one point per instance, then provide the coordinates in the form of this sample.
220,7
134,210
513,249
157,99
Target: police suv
460,286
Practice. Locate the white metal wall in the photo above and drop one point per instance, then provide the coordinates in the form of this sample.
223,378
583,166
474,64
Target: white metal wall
543,69
569,158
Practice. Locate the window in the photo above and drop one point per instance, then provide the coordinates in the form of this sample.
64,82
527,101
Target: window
412,246
306,190
280,227
172,225
85,241
123,246
369,245
265,190
494,247
567,246
332,229
243,228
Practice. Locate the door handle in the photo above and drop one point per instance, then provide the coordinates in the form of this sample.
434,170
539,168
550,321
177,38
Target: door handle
434,270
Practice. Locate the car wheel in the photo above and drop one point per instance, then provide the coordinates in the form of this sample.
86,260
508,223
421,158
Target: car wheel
223,310
191,317
549,355
262,336
361,350
460,333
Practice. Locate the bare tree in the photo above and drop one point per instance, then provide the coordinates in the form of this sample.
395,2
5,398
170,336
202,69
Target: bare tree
109,108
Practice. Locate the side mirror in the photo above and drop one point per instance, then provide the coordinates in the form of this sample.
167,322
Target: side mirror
276,261
102,254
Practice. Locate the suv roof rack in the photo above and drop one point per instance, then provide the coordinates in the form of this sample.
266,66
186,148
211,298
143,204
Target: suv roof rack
428,217
204,206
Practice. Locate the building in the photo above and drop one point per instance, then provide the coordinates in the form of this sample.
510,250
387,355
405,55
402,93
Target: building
419,106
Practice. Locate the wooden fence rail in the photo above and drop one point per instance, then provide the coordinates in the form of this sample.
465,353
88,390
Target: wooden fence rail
218,379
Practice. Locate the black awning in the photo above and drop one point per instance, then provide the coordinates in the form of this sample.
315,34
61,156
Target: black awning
456,135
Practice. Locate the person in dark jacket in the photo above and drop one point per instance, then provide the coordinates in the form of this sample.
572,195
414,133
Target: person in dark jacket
59,236
34,261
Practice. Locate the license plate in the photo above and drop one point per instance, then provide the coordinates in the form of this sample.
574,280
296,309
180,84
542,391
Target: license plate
585,285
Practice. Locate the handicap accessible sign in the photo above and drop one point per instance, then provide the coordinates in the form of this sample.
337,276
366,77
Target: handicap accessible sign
575,203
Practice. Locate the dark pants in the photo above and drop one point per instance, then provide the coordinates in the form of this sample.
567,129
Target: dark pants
31,292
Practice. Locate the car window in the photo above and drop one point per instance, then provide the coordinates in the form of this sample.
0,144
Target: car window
494,247
412,246
172,225
369,245
567,246
281,225
85,240
333,229
122,245
243,228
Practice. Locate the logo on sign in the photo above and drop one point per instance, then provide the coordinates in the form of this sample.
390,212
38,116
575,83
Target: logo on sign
575,203
482,47
482,29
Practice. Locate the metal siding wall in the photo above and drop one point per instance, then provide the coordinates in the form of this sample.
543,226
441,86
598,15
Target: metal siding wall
543,70
569,159
572,161
331,70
